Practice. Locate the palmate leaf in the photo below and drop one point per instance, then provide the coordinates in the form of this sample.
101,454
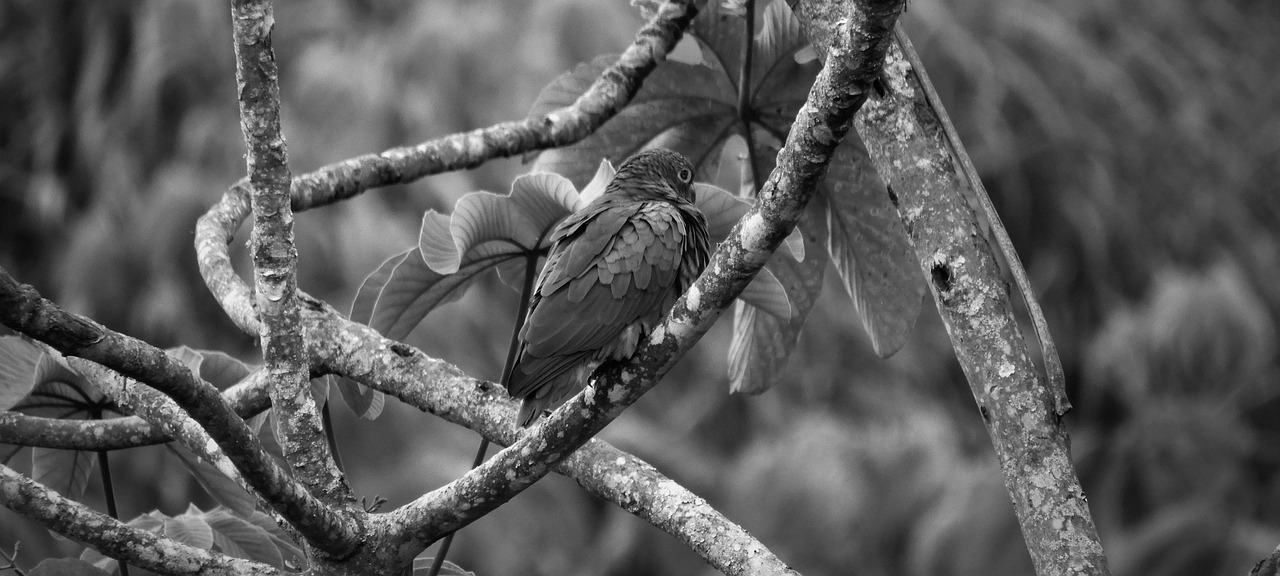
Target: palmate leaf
363,401
190,528
254,537
66,471
224,490
238,537
217,368
868,245
691,107
60,392
762,343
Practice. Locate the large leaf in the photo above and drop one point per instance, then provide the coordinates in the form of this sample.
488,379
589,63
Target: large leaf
235,536
869,248
254,537
363,401
224,490
519,223
292,553
221,369
485,230
66,471
59,391
190,528
691,108
18,360
66,567
673,95
763,343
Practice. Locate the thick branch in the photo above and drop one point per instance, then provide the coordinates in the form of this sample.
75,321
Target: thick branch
112,537
824,119
904,139
22,309
275,258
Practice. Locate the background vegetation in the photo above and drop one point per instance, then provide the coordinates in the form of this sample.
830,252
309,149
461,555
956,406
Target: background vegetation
1130,147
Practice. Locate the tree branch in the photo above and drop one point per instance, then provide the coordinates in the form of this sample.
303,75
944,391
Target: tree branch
114,538
22,309
903,137
275,258
839,91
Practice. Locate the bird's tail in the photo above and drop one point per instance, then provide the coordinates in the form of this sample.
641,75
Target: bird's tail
530,409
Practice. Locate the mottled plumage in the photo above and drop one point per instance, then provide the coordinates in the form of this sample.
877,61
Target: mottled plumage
615,268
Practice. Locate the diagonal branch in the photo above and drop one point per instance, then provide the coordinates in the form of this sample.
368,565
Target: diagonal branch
114,538
910,151
22,309
827,115
358,352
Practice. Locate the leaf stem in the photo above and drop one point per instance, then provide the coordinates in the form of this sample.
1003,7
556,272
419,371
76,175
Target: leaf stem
526,296
745,114
108,489
326,420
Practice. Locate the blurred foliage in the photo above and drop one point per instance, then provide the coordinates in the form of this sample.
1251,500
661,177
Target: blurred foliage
1129,146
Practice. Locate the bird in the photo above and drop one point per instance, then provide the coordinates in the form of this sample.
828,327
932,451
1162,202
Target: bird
615,267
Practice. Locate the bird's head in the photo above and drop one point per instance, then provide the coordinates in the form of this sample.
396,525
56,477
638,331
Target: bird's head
655,173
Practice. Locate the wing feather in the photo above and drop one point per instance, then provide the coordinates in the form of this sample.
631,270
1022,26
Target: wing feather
612,265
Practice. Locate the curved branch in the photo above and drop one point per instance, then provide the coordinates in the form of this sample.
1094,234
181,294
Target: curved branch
827,115
22,309
114,538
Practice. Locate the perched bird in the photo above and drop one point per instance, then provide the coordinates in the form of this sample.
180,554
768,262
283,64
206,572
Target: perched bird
615,268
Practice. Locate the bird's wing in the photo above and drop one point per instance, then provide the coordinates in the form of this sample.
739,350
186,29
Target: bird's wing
613,267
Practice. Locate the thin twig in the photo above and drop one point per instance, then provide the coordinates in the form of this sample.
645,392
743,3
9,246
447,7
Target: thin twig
746,116
12,559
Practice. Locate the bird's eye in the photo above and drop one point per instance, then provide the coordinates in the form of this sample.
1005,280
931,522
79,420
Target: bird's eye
685,175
